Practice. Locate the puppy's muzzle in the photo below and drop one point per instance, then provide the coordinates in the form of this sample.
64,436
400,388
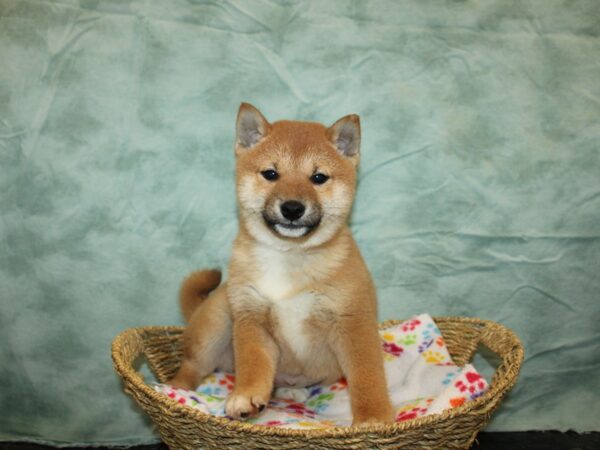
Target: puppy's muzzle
292,218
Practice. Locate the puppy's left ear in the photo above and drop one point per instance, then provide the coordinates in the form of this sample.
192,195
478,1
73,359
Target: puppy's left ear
345,135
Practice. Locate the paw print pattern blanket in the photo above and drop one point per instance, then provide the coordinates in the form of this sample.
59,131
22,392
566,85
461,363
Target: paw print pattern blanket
421,377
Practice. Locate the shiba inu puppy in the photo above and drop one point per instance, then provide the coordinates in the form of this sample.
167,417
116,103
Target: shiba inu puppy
299,307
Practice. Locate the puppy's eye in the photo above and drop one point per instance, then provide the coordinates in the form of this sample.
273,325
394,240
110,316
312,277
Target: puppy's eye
270,175
319,178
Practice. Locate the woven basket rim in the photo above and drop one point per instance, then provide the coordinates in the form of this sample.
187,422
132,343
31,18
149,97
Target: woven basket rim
486,402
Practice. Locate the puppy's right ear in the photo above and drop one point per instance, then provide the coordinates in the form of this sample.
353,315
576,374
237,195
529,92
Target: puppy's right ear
251,127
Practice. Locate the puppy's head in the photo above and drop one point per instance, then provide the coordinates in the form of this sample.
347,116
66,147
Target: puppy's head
295,180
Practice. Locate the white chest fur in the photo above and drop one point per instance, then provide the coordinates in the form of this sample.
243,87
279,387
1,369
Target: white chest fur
291,315
283,278
281,273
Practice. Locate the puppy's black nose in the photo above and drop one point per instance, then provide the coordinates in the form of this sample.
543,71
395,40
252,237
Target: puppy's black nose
292,210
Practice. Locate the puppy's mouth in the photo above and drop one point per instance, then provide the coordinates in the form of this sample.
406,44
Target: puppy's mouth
291,229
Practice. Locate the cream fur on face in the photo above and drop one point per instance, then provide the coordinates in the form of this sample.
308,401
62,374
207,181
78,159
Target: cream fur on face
252,204
335,213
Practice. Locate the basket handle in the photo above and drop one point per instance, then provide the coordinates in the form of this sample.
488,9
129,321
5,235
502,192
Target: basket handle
126,348
504,343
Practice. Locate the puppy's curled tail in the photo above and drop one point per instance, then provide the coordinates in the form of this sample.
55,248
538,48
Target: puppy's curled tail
195,288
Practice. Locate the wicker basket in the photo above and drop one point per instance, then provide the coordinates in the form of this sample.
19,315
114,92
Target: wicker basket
183,427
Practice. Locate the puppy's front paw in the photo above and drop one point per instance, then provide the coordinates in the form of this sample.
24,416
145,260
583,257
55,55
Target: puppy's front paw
240,406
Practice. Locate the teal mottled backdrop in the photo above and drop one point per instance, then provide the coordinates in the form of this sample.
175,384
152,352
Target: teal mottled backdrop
479,190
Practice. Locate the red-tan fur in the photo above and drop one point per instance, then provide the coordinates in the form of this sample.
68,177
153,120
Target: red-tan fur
301,310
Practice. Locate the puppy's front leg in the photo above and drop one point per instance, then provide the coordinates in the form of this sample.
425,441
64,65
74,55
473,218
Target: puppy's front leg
256,357
358,348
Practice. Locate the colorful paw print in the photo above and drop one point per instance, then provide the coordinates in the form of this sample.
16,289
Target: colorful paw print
449,377
425,345
340,385
409,339
209,391
430,331
412,413
410,325
210,379
392,349
389,337
474,385
209,399
227,382
274,423
315,391
301,409
457,401
174,396
432,356
318,404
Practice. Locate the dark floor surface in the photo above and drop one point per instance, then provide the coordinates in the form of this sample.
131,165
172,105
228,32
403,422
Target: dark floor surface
538,440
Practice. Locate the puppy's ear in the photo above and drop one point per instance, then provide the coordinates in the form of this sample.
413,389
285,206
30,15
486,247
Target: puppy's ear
345,135
251,127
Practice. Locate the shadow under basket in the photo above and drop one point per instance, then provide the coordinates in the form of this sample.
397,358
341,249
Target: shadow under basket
183,427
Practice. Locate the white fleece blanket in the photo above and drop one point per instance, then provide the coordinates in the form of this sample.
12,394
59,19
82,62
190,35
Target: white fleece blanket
421,377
